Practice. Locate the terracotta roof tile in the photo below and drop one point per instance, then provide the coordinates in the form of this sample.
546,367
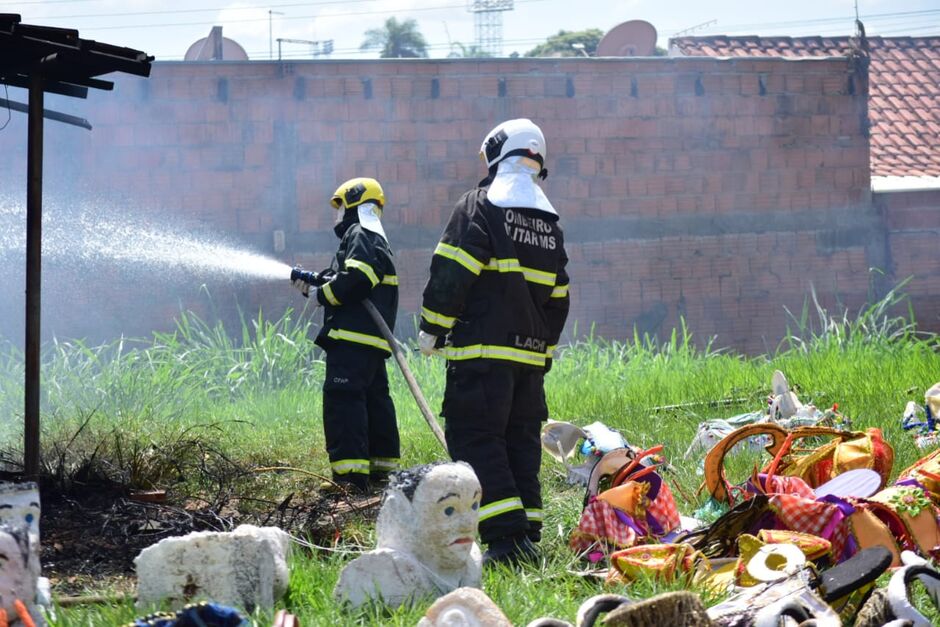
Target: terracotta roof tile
904,87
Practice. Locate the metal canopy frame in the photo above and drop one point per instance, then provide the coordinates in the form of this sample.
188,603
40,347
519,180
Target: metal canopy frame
55,60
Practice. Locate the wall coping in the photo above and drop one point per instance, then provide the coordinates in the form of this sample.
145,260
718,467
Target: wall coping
535,60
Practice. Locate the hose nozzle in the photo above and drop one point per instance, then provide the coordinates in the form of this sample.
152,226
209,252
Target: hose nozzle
310,278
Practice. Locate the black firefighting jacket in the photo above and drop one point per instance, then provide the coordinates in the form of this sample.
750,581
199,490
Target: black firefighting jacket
498,284
363,269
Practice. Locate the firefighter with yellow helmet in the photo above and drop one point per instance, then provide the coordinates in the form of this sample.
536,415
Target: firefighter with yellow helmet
495,305
359,421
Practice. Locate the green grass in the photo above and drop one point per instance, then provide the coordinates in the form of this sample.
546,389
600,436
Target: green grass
182,409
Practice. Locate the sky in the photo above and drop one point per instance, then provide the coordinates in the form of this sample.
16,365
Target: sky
166,28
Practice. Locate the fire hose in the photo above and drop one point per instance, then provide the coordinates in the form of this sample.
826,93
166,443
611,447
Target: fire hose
317,279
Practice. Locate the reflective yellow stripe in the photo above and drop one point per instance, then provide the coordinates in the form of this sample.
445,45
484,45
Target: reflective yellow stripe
390,279
560,291
330,298
533,514
486,351
439,319
538,276
384,463
531,274
459,255
365,269
344,466
550,351
500,507
503,265
359,338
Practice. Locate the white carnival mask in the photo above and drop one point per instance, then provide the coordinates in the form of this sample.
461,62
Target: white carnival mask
19,566
19,504
438,523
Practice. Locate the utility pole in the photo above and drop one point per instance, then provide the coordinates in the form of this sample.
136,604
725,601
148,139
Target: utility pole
271,15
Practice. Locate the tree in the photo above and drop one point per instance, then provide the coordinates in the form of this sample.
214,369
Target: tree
560,45
398,40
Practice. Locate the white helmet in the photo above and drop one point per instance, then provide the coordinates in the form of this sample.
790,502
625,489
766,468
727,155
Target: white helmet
513,137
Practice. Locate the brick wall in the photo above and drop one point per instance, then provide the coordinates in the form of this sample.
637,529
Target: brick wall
718,190
913,222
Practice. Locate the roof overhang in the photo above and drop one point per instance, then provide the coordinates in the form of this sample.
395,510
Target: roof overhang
68,64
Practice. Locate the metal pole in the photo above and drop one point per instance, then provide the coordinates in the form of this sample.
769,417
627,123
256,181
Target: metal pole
271,15
33,276
406,372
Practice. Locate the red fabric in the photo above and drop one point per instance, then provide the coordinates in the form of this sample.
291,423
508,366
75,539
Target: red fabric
814,517
778,484
664,509
601,528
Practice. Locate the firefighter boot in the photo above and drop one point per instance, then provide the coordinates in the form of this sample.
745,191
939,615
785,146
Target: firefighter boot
510,550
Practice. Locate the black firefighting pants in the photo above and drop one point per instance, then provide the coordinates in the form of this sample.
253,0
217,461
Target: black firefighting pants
358,415
494,413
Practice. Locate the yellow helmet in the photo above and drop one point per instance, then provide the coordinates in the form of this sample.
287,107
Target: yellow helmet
356,191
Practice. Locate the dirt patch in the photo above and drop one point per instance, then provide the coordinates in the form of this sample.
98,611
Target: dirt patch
91,536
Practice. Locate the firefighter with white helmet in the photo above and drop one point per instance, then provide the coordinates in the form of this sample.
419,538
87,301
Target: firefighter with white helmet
495,306
358,415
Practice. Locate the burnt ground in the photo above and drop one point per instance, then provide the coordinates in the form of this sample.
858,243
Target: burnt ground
91,536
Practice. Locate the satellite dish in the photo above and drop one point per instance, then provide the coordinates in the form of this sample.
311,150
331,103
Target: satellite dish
215,47
636,38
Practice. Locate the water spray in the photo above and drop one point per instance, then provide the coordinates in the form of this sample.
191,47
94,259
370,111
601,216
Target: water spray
91,235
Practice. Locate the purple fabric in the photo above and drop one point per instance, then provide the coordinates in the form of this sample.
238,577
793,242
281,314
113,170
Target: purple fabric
629,522
846,509
909,482
655,528
750,487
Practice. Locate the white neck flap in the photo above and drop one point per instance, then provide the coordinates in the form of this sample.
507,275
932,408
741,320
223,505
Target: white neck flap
514,186
369,219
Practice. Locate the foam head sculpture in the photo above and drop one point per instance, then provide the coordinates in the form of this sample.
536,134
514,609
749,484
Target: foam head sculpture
19,566
19,545
19,504
425,538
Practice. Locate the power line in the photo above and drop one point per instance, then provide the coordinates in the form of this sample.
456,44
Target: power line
357,50
823,20
292,17
914,29
205,10
47,2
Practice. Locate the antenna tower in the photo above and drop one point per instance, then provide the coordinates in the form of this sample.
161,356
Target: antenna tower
488,24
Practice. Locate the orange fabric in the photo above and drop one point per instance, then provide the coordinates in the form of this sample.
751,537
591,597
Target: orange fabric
662,561
926,471
813,547
869,531
629,497
848,450
921,532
